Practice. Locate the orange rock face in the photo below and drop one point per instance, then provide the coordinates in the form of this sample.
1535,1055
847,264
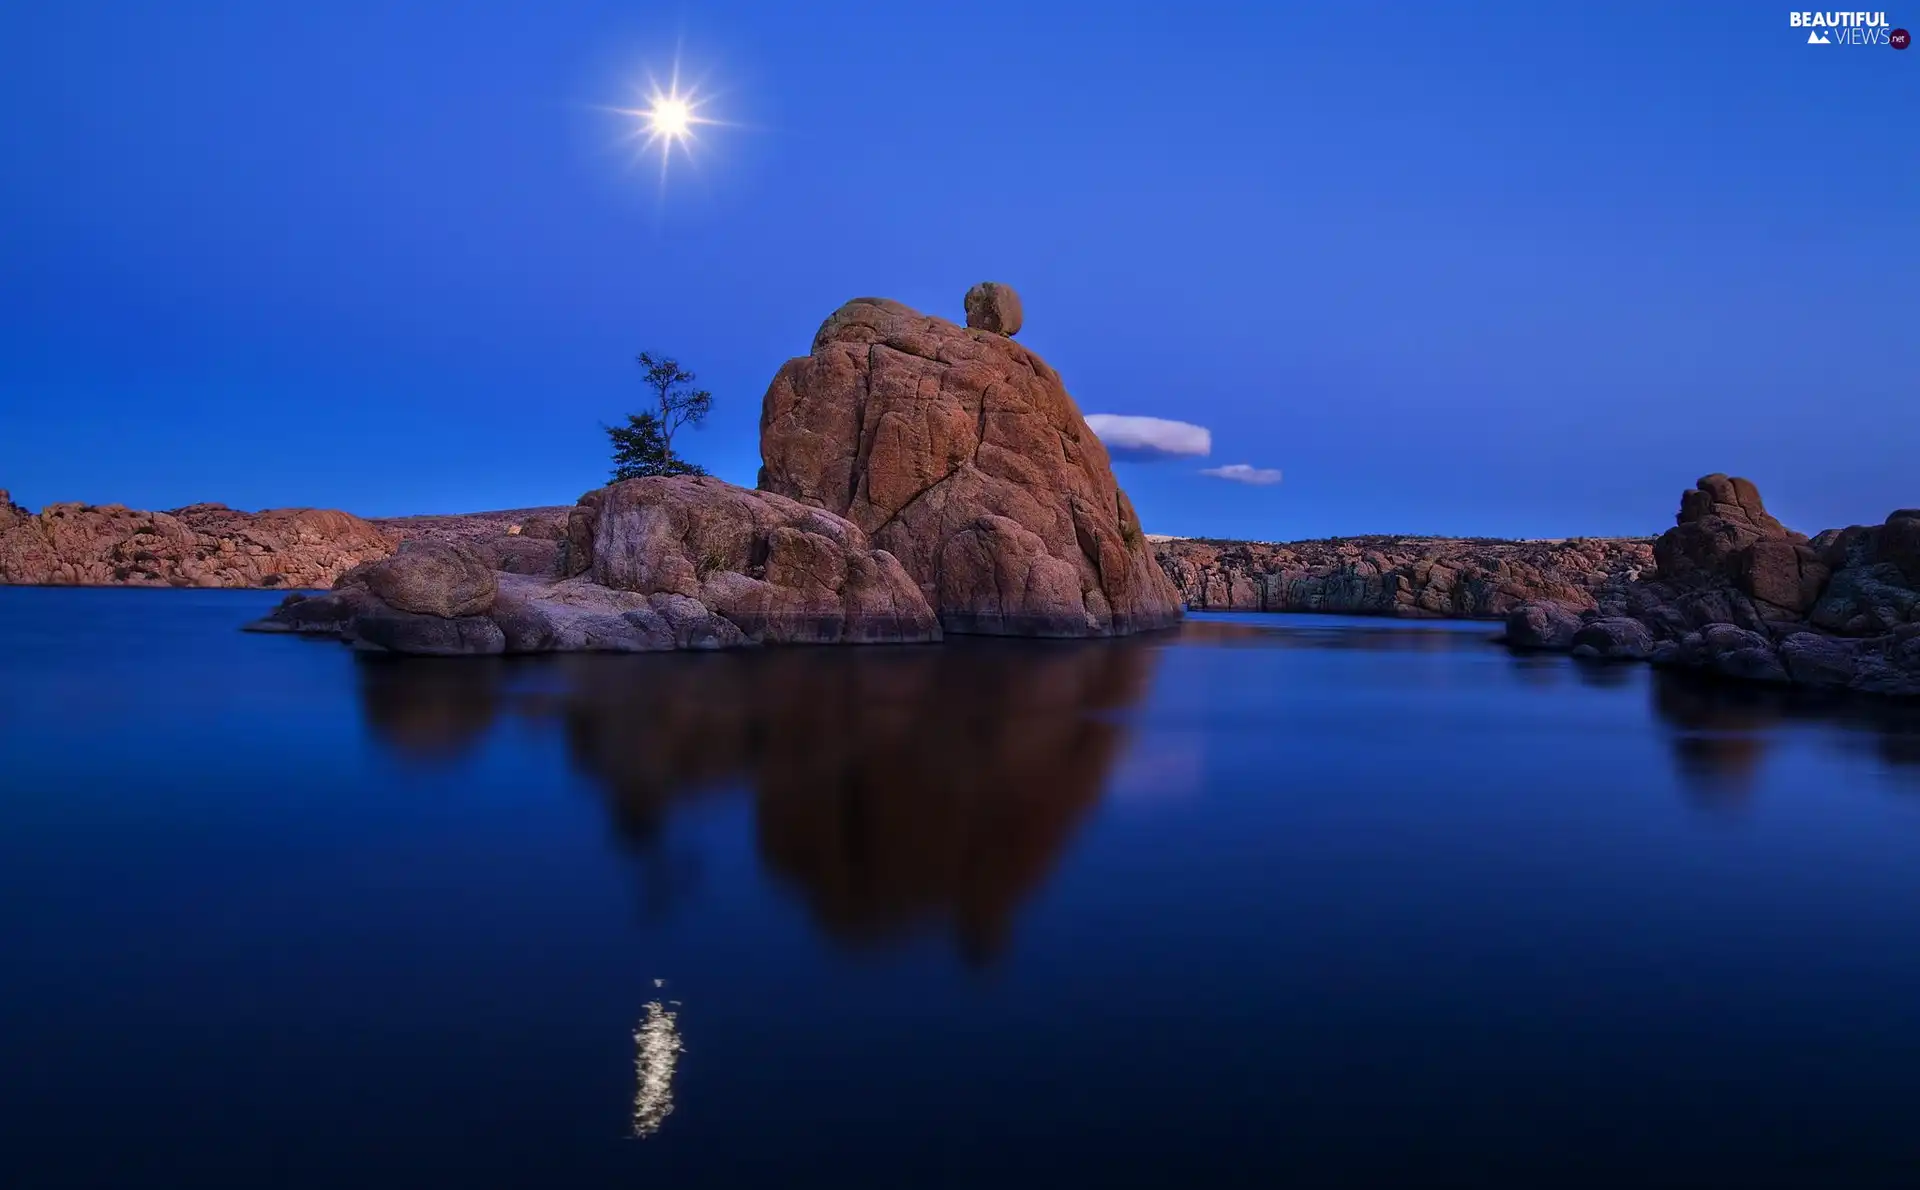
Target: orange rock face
961,453
1412,577
782,571
202,545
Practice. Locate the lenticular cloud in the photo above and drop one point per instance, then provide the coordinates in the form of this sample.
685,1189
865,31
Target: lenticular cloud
1244,473
1144,439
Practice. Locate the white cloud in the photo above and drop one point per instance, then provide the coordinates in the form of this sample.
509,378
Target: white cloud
1148,438
1244,473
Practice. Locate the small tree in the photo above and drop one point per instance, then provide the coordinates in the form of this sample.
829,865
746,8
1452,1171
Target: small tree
680,403
644,446
640,449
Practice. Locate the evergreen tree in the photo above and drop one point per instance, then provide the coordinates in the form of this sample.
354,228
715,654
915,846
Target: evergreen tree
644,446
640,449
679,403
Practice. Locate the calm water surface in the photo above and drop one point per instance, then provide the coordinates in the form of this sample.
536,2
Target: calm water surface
1266,901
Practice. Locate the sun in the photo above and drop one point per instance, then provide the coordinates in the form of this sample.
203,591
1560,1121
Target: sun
665,118
671,117
668,118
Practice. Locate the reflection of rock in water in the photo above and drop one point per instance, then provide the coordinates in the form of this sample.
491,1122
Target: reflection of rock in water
1606,675
1720,729
895,787
1289,631
945,788
1717,743
430,708
1539,671
655,731
657,1048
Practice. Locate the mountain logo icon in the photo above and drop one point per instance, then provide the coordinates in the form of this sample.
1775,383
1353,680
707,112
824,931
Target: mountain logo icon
1818,38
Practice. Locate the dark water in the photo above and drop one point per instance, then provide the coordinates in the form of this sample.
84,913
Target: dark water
1287,901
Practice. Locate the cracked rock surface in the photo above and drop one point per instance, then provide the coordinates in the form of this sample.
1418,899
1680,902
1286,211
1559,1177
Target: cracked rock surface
1737,594
960,452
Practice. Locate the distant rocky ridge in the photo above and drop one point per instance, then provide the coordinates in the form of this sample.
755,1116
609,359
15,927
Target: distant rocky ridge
549,522
1420,577
1736,593
513,541
918,478
201,545
211,545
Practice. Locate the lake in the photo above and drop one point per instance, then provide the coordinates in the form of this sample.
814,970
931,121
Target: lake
1261,901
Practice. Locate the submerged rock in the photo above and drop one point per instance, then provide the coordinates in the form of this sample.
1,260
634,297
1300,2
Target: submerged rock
326,614
426,635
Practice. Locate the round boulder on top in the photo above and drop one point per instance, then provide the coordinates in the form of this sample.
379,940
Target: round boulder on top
994,307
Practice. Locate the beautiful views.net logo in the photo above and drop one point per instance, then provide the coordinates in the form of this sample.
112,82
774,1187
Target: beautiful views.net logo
1849,28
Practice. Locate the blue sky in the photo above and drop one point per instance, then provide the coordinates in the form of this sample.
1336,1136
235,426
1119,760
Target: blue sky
1502,269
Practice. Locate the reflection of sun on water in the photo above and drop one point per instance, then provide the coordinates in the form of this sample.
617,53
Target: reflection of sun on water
657,1049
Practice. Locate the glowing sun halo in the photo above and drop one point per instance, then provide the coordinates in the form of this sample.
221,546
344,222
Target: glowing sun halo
668,118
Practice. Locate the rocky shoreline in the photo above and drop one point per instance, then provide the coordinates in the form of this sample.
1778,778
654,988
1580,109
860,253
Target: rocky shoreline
201,545
1737,594
1728,592
1416,577
211,546
918,478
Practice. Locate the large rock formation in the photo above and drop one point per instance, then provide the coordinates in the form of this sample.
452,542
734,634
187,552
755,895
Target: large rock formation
1724,536
917,475
646,565
959,452
1417,577
1736,593
778,569
201,545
